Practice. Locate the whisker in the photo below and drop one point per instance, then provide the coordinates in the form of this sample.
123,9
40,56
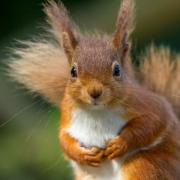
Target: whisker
35,129
18,113
48,120
54,165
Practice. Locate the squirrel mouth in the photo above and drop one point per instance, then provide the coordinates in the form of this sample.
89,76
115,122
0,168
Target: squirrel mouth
95,102
97,105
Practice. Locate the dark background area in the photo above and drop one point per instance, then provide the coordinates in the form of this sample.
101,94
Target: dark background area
29,147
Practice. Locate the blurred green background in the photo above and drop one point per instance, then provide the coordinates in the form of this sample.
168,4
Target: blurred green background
29,147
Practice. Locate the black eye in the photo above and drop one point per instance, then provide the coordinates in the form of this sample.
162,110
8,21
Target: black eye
116,70
74,72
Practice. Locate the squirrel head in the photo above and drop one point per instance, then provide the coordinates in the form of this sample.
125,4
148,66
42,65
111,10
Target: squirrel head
99,65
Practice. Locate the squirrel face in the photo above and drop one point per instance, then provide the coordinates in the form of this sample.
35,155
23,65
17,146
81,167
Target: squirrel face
97,63
96,74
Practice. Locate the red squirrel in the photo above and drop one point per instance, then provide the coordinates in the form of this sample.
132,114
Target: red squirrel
117,121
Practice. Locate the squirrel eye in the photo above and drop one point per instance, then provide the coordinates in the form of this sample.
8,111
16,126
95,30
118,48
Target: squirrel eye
116,70
74,72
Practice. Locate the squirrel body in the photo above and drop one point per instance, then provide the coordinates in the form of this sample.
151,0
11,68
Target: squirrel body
115,123
130,133
94,128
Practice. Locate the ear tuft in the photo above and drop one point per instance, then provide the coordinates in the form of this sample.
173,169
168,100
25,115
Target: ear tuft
69,45
63,26
124,25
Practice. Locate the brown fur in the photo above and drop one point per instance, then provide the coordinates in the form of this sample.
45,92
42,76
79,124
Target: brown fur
41,67
150,117
160,72
124,24
63,27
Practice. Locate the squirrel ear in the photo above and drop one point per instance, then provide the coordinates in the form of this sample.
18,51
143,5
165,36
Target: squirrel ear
63,27
124,26
69,44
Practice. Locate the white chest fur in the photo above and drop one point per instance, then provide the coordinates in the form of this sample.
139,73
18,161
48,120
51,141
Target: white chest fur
93,128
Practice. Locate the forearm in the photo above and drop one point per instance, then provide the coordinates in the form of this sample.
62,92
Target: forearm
142,132
74,151
138,133
67,142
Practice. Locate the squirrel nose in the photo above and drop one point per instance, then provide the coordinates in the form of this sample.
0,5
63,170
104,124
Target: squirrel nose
95,94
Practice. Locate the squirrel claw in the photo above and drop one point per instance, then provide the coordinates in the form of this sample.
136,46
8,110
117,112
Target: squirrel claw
96,158
92,157
115,148
114,155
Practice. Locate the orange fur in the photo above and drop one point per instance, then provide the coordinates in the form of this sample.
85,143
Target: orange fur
149,141
73,148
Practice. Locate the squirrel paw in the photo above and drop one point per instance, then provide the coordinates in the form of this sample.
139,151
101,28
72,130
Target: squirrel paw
116,147
91,157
